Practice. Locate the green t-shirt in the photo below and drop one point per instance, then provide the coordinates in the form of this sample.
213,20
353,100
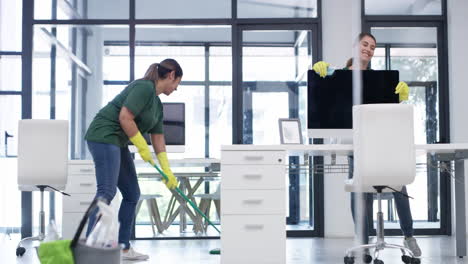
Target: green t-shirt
141,99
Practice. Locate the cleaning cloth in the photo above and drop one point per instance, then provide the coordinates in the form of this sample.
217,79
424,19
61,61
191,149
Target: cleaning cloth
55,252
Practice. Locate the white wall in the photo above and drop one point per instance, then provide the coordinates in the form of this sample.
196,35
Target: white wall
458,79
94,92
337,48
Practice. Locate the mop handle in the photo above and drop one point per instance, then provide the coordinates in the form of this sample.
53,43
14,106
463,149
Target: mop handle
187,199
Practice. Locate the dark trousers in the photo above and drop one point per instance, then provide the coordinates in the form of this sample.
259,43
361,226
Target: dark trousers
115,168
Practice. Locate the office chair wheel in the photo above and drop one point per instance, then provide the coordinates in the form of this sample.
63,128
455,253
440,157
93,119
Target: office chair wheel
416,261
367,258
406,259
20,251
348,260
378,261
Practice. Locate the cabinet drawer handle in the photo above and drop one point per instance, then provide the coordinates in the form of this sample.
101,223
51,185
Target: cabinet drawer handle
253,201
85,203
86,184
86,170
254,227
252,176
254,157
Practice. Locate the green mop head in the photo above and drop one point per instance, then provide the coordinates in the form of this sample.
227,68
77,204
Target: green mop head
216,251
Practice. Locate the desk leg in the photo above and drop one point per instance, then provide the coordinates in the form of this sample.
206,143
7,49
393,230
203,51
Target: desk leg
182,216
460,215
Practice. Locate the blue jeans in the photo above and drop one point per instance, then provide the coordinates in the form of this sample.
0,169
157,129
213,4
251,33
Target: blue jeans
115,168
367,200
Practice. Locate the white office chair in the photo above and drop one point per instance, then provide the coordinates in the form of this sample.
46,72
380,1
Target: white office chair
384,156
42,162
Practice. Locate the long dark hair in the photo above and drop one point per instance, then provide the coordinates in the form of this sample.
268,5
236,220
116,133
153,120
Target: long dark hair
349,62
162,69
366,34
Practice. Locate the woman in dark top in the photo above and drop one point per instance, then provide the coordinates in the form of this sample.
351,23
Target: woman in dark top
367,44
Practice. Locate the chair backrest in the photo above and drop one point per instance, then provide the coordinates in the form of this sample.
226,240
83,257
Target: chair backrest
383,139
42,153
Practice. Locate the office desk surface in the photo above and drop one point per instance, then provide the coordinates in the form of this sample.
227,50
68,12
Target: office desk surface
345,149
190,162
178,174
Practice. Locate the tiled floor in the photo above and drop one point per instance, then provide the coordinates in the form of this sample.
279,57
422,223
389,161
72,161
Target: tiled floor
299,251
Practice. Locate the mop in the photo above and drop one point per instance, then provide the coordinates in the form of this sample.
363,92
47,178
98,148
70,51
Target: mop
194,206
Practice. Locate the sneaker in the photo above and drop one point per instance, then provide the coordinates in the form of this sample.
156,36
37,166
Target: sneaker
411,244
133,255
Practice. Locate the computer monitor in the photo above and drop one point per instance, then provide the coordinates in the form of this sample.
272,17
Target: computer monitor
173,127
379,87
329,105
330,100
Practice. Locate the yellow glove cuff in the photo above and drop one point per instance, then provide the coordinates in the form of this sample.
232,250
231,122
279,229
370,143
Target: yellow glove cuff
163,161
139,141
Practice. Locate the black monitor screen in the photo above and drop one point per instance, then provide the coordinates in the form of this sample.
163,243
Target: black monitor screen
330,99
174,123
379,87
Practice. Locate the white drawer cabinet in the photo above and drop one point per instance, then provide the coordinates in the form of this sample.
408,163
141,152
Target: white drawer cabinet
253,177
81,185
253,157
71,221
253,239
253,202
253,205
77,202
81,167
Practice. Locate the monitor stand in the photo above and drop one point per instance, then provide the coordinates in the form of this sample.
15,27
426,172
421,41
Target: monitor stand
342,134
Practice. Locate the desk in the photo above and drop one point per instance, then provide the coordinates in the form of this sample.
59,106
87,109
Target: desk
82,185
443,152
183,209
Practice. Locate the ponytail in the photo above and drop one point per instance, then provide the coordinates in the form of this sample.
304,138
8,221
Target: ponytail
161,70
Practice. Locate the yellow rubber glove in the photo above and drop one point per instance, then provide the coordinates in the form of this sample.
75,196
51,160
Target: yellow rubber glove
172,182
321,68
139,141
402,90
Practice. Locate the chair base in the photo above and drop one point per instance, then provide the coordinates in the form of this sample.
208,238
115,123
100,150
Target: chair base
407,256
20,250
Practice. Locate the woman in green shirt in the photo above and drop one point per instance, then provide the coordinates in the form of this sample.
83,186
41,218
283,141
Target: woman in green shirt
135,111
